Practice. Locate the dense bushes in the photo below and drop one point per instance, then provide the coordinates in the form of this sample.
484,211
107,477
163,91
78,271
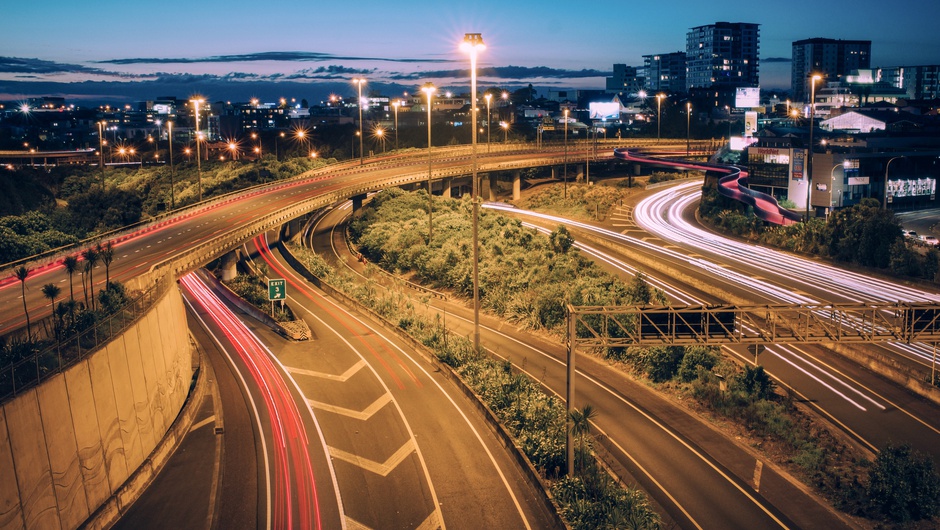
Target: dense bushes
524,277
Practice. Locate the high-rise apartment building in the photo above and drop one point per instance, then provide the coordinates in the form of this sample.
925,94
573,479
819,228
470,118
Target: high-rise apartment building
722,55
831,58
919,82
665,71
626,79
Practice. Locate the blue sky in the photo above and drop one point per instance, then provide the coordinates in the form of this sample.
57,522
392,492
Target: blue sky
239,49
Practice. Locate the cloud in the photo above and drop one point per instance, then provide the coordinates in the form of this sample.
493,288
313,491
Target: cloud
777,60
17,65
265,56
507,72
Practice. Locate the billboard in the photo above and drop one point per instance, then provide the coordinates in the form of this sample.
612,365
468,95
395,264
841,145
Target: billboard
911,188
797,167
738,143
608,110
747,97
750,123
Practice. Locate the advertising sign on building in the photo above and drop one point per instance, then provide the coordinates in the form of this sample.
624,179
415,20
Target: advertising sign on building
750,123
798,156
747,97
911,188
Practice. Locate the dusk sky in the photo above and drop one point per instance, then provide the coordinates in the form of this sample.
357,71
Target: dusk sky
237,50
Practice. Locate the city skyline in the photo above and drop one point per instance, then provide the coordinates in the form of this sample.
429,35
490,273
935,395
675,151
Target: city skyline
235,51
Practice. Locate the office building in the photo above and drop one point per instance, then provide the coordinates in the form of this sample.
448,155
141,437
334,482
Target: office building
626,80
722,55
665,72
833,59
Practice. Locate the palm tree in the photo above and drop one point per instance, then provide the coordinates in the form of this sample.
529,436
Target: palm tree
91,256
21,273
71,265
581,426
51,291
107,256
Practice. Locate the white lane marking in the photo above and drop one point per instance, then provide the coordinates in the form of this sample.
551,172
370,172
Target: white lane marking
758,467
379,468
342,378
207,421
362,415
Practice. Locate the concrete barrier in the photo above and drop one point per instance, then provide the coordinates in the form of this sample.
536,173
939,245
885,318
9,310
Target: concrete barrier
68,446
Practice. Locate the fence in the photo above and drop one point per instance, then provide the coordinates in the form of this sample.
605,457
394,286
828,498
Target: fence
37,366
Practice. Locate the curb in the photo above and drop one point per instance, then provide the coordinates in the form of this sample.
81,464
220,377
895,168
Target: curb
136,484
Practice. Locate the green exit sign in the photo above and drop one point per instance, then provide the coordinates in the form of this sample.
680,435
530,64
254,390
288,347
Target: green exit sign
277,289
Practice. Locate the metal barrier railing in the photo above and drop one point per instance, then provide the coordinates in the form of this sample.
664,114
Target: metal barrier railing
36,367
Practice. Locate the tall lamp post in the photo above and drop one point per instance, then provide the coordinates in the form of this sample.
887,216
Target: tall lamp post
473,44
196,103
659,116
809,154
359,81
566,154
884,201
169,134
488,97
101,150
429,90
395,105
832,179
688,128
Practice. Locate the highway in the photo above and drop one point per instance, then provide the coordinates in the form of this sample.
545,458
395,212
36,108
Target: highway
690,469
661,229
726,491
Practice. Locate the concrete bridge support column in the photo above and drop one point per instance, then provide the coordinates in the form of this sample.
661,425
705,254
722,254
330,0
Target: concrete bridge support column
357,202
492,185
446,184
516,185
229,264
554,173
579,173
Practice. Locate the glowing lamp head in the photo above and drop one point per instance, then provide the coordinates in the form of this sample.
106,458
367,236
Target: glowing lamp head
473,43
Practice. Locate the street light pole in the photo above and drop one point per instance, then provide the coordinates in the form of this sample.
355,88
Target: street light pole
196,103
429,90
488,97
884,201
169,132
688,128
101,150
395,105
809,154
473,43
659,116
359,82
566,154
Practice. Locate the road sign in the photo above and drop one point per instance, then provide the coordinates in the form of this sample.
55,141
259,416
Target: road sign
277,289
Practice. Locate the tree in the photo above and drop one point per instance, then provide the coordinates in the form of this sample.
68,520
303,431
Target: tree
581,426
903,485
107,256
561,239
71,265
91,257
21,273
51,291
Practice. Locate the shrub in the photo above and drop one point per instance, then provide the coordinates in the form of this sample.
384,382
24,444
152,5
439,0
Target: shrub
903,485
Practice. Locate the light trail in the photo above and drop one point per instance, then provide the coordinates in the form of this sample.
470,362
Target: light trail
295,503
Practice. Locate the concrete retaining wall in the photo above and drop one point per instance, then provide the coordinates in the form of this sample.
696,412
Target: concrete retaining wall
69,444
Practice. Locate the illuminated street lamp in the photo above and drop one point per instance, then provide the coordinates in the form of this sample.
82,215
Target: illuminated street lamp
505,127
359,82
196,102
101,150
258,149
688,128
809,154
659,116
380,134
884,202
234,150
395,105
488,97
473,44
429,90
566,153
832,179
169,134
